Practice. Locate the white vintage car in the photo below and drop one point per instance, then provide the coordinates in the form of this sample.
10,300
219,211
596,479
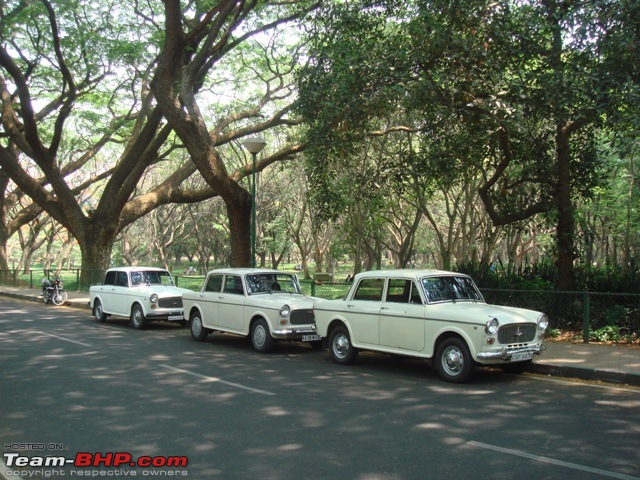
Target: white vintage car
429,314
266,305
140,293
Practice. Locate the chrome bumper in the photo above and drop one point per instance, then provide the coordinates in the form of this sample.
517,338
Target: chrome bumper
292,332
505,354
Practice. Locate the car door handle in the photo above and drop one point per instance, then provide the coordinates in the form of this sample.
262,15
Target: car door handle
384,308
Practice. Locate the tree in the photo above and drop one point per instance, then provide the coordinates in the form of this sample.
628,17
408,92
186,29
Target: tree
79,53
193,47
526,86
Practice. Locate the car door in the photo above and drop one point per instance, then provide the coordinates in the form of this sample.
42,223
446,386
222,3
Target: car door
402,322
210,300
363,311
120,296
106,291
231,309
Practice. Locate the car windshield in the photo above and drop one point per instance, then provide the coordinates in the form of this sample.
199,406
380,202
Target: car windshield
450,289
272,282
147,277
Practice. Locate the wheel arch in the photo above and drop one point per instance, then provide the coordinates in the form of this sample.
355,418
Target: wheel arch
442,336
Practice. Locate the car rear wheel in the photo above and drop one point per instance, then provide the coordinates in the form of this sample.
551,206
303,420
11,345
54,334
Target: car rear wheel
453,360
137,320
198,330
261,339
98,312
340,347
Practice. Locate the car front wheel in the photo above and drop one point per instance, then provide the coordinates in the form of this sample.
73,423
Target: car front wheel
454,362
98,312
198,330
261,339
340,347
137,320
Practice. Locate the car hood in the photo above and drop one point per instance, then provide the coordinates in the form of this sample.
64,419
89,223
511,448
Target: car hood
294,300
162,291
480,313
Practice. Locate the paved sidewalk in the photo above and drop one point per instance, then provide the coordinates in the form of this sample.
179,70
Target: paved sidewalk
608,363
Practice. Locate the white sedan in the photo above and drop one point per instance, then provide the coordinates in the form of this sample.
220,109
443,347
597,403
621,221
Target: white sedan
140,293
266,305
429,314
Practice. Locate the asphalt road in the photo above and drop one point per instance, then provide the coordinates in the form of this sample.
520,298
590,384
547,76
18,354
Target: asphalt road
69,386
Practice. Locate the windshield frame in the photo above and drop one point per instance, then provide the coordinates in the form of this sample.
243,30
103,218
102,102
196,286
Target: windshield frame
141,278
262,283
450,289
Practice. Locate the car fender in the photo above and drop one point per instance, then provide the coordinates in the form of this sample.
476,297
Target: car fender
195,307
256,314
447,331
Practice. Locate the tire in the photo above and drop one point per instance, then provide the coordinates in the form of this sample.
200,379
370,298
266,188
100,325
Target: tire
261,339
137,319
57,299
517,368
340,347
98,312
198,330
453,360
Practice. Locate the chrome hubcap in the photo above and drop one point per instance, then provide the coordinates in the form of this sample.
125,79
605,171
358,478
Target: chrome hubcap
196,326
341,345
452,361
259,336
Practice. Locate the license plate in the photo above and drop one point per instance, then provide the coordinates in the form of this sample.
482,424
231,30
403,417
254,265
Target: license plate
175,317
518,357
311,338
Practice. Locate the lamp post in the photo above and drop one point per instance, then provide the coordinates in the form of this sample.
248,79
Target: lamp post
254,145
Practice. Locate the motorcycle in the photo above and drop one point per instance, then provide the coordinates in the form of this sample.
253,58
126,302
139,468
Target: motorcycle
53,291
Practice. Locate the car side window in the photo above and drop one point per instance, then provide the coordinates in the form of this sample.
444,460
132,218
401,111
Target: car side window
233,284
369,289
110,278
214,284
398,290
121,281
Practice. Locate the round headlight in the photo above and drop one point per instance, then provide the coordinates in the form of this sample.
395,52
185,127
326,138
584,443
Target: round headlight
543,322
492,326
285,311
154,298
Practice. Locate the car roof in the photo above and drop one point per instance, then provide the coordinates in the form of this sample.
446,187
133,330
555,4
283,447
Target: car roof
408,273
137,269
246,271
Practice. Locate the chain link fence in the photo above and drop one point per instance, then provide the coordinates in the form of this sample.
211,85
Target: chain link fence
605,314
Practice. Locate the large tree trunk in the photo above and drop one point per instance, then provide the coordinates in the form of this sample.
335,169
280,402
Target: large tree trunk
565,225
239,213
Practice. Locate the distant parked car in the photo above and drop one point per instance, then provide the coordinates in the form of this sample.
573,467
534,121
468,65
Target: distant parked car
429,314
140,293
265,305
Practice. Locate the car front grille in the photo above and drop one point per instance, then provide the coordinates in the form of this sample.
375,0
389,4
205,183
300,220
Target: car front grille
171,302
517,333
302,317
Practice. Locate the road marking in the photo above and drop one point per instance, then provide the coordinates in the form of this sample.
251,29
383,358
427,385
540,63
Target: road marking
218,380
65,339
560,463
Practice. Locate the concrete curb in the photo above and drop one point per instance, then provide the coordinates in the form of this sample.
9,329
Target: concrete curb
587,373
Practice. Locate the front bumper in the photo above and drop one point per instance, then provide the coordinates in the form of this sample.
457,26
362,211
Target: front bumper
172,316
294,333
505,354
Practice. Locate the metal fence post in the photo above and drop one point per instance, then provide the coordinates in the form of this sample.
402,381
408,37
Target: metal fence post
313,288
585,317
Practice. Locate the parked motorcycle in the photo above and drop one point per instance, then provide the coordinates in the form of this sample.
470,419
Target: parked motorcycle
53,291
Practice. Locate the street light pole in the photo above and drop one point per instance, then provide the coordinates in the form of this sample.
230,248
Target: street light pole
254,145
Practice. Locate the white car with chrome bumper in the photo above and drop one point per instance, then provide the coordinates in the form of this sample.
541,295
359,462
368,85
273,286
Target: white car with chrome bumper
141,293
430,314
265,305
